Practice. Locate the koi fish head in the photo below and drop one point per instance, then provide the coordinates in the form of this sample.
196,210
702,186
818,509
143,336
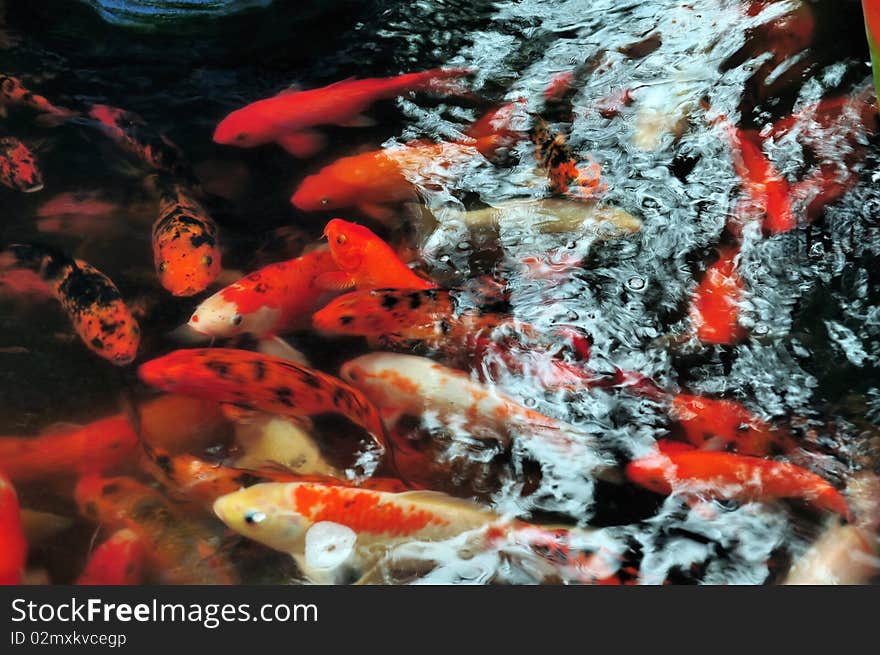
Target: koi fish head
380,383
264,513
115,120
18,168
176,371
348,243
242,128
220,317
654,472
322,191
107,499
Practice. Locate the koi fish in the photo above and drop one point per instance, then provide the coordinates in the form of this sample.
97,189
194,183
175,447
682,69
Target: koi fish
767,192
178,548
107,443
373,180
18,166
286,118
276,441
714,308
90,299
738,477
118,561
13,545
276,299
13,92
186,249
365,261
557,158
431,316
717,422
411,385
560,85
132,133
22,283
255,381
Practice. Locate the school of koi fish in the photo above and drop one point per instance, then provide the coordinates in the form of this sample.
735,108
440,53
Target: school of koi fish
523,337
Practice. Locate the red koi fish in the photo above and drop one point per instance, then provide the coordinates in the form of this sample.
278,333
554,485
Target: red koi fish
561,164
91,300
18,166
118,561
714,309
373,180
738,477
255,381
560,84
109,442
365,261
13,545
286,118
715,423
77,203
14,93
179,549
186,248
133,135
276,299
767,192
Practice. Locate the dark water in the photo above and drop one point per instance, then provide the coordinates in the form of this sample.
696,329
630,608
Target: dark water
810,363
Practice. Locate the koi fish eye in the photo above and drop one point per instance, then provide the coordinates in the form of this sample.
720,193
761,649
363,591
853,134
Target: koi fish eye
207,260
341,239
253,517
241,136
325,201
162,267
236,319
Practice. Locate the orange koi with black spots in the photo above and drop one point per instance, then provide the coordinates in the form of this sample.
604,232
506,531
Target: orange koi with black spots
186,247
91,300
561,164
259,382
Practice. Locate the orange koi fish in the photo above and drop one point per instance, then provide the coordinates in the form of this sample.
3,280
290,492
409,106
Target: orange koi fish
132,133
365,261
13,545
431,316
90,299
714,308
179,550
13,92
118,561
766,191
107,443
18,167
286,118
276,299
373,180
557,158
186,249
738,477
714,422
259,382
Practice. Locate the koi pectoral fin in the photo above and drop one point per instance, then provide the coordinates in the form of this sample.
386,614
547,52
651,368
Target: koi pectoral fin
335,281
302,144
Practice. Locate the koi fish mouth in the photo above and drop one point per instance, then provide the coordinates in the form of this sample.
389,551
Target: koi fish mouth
34,188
